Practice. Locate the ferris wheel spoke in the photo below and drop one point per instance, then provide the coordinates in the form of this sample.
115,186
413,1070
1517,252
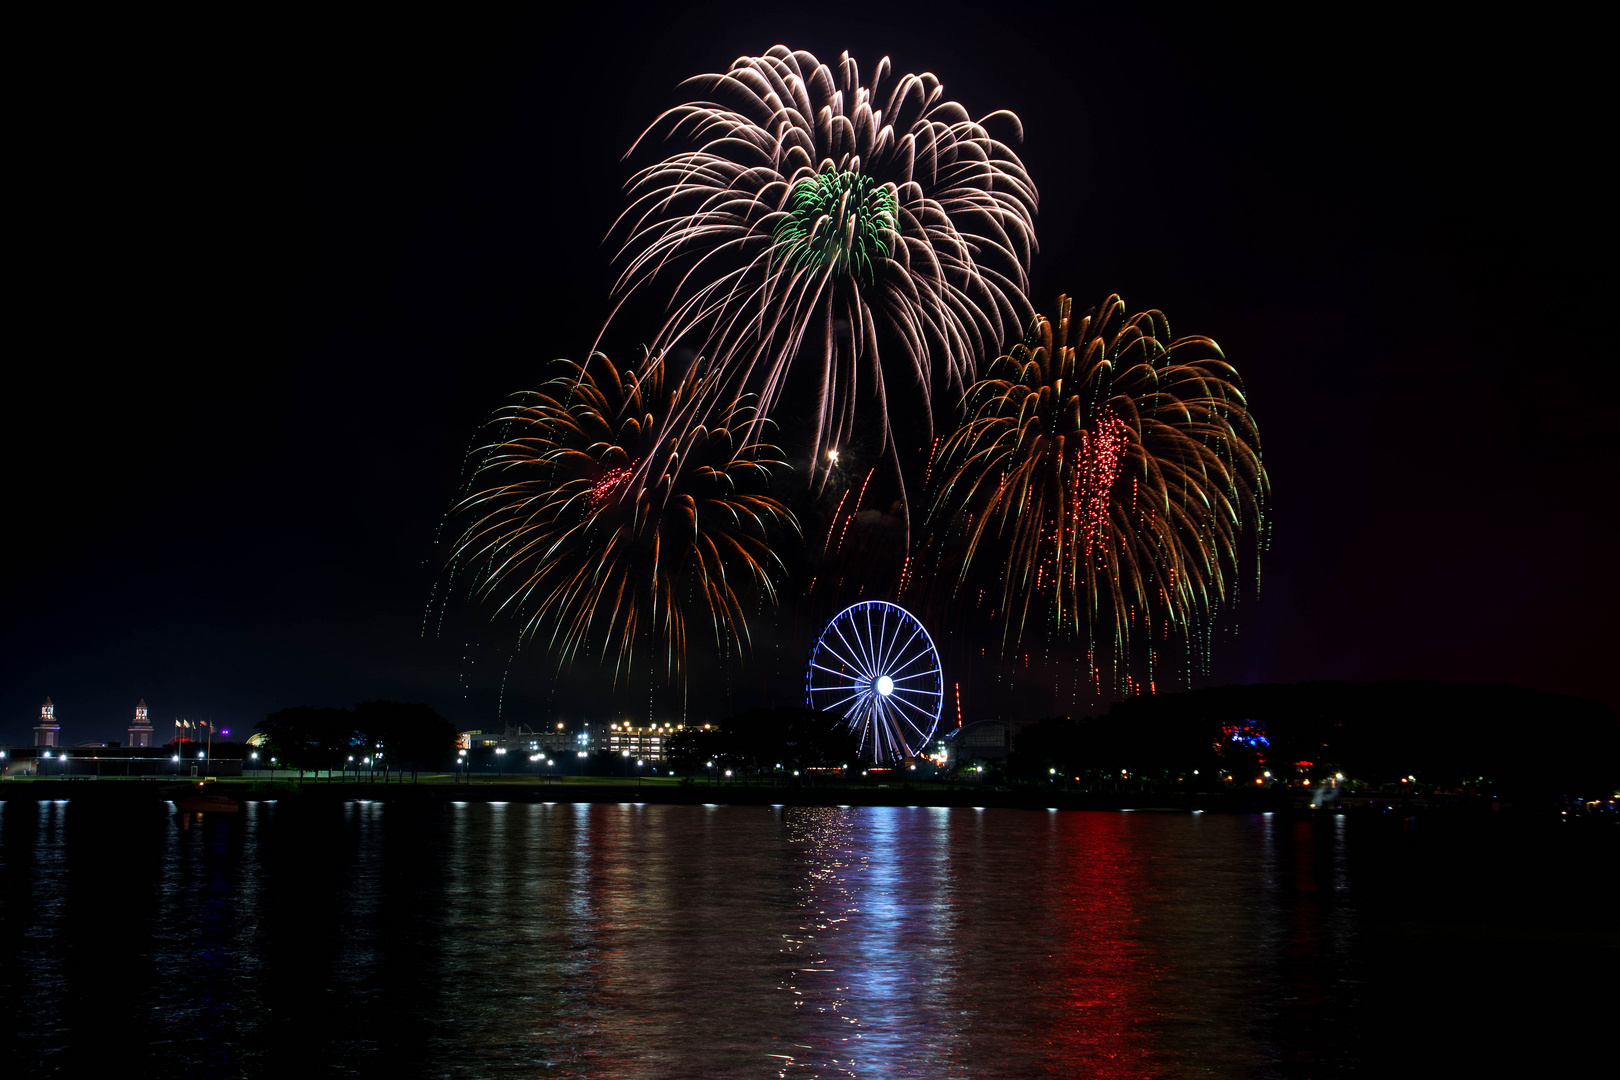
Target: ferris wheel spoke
891,652
870,717
841,658
862,663
856,696
899,734
893,719
879,639
924,655
924,695
888,733
841,678
911,680
909,705
906,708
851,659
891,644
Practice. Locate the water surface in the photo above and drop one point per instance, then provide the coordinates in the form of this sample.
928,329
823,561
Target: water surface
644,941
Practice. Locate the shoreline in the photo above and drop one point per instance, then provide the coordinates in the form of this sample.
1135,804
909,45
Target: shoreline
125,792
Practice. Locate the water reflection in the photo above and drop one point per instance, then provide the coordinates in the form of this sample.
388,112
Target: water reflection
475,940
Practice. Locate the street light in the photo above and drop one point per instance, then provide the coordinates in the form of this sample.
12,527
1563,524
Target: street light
461,764
500,756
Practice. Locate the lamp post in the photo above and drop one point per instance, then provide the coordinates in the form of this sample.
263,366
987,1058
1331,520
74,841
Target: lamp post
500,759
461,764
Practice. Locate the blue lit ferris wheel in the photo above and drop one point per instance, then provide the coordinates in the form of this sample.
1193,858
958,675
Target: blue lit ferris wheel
876,665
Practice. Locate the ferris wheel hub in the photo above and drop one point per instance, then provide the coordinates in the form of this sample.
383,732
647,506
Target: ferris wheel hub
885,685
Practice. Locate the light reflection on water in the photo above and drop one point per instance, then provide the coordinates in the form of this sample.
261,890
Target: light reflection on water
640,941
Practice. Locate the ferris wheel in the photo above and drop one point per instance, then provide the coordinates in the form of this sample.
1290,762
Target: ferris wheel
876,665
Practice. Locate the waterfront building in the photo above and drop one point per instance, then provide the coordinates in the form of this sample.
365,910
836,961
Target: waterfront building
522,739
140,730
645,741
47,731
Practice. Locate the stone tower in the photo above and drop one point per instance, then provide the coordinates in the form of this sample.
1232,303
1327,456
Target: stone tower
45,732
140,730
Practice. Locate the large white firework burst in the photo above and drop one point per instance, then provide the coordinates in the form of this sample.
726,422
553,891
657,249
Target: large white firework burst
878,231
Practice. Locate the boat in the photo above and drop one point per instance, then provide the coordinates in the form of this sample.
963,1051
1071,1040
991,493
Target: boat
200,801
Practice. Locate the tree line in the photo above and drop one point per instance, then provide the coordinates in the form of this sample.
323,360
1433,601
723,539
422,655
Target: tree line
760,740
396,736
1446,734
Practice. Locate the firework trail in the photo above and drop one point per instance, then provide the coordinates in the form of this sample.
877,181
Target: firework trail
874,232
592,526
1103,484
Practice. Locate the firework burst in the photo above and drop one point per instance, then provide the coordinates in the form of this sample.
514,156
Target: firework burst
591,526
1101,485
877,232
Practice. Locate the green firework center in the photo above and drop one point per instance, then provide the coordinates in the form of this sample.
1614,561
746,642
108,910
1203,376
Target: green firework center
837,220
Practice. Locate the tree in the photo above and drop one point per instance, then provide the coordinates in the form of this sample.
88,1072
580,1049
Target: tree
309,738
409,734
691,750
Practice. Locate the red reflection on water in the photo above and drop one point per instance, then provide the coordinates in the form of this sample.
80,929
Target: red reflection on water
1105,967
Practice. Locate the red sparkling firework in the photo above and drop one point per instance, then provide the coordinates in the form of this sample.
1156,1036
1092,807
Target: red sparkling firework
1100,485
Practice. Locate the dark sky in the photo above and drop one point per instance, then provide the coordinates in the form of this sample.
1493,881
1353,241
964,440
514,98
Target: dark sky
277,269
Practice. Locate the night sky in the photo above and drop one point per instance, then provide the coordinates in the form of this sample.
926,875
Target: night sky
275,273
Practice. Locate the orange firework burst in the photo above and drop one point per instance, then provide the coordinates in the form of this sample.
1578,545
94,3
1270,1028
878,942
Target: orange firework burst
1101,484
595,527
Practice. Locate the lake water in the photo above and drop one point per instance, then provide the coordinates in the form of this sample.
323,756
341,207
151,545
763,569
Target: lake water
622,940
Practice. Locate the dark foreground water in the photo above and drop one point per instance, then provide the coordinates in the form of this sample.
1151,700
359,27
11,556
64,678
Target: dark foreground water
666,941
